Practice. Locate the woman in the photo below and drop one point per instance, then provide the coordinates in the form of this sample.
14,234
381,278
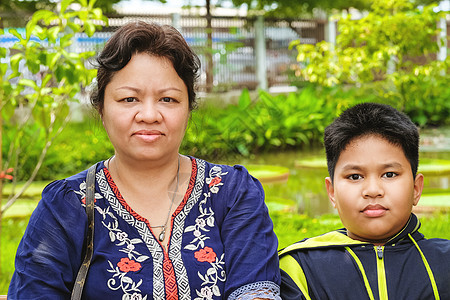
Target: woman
166,225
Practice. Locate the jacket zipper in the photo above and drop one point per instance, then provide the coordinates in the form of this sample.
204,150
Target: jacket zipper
381,274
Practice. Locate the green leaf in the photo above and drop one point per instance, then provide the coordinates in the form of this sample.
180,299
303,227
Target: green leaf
97,13
3,69
61,115
7,110
33,65
65,4
89,28
42,116
74,27
28,82
53,33
40,32
244,99
15,33
15,62
66,40
40,15
52,58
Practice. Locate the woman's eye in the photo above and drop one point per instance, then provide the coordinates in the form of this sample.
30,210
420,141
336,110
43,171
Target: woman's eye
390,174
129,99
354,177
167,99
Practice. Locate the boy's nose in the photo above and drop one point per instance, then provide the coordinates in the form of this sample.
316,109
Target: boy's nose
148,112
373,188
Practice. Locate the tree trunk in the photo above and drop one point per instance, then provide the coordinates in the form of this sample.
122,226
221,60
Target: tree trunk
209,49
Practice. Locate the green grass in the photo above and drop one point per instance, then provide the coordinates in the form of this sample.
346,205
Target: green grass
12,232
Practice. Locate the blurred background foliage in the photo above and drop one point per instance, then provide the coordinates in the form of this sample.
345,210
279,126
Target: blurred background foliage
257,123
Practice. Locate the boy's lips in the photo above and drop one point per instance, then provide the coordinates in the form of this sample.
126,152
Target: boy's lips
374,210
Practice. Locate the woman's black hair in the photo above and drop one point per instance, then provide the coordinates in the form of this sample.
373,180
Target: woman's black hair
153,39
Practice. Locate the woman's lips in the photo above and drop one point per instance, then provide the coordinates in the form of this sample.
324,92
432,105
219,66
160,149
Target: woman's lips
374,210
148,135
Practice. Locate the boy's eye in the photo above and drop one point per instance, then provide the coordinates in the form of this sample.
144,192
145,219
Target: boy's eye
354,177
390,174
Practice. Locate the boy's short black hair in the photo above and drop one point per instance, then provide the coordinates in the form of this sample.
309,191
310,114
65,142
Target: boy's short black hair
372,118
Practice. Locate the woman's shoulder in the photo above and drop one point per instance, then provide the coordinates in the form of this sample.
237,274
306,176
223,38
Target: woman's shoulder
232,170
232,177
67,187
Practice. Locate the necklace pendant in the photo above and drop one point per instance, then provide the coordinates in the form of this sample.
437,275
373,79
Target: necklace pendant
162,235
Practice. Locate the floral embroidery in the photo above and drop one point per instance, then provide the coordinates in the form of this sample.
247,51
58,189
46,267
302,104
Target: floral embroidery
126,265
203,222
120,280
206,218
215,179
121,238
213,275
82,193
205,293
205,254
131,263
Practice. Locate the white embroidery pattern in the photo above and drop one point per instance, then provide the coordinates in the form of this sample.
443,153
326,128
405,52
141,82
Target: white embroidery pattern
82,193
261,289
177,233
109,221
152,245
205,220
213,275
121,281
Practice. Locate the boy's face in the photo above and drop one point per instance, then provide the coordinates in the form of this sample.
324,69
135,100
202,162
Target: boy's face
373,189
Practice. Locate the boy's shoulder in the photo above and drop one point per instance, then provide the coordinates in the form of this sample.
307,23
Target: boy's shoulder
337,238
435,245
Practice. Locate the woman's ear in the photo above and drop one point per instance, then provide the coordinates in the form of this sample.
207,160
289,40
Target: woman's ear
330,190
418,188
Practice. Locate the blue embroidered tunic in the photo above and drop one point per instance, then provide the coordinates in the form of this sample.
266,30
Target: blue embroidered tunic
222,244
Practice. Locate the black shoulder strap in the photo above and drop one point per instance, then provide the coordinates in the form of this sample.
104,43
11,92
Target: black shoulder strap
82,273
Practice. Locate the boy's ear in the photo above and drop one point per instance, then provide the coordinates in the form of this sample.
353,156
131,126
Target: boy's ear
330,190
418,188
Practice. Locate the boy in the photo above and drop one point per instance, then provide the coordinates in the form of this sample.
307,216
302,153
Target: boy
372,156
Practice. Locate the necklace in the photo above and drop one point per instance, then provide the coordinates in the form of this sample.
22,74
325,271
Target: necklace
162,235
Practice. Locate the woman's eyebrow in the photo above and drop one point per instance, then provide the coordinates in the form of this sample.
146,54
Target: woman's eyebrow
126,87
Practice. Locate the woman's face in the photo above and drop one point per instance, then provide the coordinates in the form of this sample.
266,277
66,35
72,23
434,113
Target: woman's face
146,109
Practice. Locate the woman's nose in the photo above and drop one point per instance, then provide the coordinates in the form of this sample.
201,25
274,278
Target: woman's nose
148,112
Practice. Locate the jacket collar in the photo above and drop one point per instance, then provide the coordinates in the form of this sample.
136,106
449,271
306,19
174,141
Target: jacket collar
411,227
339,238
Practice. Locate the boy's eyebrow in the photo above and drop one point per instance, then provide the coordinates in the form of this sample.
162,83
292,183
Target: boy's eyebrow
384,166
393,165
351,167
